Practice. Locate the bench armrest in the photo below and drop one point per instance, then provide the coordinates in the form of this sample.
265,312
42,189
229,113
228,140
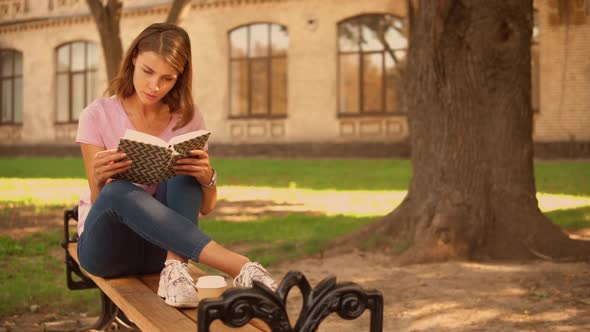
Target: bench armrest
236,307
72,267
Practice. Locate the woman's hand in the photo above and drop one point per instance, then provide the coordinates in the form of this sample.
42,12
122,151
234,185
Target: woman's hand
106,164
198,166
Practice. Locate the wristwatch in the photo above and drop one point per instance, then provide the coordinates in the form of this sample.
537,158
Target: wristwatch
213,181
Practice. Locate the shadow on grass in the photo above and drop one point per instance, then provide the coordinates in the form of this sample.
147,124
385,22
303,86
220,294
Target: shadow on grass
32,266
571,219
269,240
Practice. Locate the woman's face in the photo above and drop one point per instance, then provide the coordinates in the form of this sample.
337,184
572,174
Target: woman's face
153,77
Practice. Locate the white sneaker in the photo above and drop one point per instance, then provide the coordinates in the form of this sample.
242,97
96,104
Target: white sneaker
254,271
177,286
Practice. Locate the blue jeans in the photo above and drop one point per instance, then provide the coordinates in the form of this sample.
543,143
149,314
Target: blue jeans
128,231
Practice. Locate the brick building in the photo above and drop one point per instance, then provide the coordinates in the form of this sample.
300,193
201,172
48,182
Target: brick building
273,75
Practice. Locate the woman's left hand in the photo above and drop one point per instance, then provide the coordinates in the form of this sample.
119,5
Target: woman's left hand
198,166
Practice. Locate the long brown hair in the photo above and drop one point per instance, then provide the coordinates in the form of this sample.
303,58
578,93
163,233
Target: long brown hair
173,44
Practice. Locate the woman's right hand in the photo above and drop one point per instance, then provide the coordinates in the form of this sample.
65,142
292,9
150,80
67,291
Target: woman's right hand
107,163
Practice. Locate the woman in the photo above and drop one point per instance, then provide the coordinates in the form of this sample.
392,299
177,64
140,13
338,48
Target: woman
127,228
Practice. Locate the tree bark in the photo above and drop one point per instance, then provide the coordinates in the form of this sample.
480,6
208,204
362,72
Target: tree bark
468,92
177,11
107,20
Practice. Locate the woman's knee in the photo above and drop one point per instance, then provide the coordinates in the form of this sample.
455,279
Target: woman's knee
116,189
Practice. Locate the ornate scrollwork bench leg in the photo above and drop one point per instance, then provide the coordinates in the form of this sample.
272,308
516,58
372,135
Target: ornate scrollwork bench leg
236,307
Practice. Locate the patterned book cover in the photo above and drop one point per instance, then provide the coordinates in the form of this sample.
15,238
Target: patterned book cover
153,163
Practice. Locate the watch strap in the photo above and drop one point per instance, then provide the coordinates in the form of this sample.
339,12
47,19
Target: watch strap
213,181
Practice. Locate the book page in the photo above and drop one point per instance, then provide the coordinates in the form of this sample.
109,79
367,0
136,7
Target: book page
187,136
137,136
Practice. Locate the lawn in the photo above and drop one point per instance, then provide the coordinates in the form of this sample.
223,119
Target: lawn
43,182
568,177
32,268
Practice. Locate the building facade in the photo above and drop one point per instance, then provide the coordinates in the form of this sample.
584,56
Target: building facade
270,72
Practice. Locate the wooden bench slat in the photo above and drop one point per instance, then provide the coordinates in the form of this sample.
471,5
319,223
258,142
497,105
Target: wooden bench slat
136,296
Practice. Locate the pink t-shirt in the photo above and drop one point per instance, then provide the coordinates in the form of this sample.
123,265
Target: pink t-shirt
103,123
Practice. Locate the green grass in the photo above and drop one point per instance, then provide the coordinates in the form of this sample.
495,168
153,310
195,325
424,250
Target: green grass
571,219
42,168
313,174
32,272
269,240
375,174
565,177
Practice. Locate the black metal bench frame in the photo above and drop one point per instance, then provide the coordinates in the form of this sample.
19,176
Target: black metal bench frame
236,307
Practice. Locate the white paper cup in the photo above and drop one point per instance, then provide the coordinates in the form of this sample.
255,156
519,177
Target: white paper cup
210,286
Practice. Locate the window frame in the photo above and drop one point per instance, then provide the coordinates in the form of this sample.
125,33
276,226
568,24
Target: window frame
361,70
70,74
269,57
12,78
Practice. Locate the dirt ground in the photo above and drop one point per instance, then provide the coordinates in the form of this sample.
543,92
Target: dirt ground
462,296
453,296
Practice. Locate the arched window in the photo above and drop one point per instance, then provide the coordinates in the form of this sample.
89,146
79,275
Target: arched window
11,86
76,68
258,70
371,57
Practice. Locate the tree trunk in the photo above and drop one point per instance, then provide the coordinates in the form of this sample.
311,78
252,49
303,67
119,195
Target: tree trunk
107,20
468,92
177,11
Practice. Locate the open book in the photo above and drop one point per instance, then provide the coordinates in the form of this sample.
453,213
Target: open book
153,158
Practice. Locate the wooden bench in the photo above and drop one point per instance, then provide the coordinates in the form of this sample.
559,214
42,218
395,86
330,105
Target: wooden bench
137,297
132,302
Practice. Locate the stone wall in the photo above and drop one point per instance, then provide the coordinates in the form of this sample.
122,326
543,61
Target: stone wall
564,113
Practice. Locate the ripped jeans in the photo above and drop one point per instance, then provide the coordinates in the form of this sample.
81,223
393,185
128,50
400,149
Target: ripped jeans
128,231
